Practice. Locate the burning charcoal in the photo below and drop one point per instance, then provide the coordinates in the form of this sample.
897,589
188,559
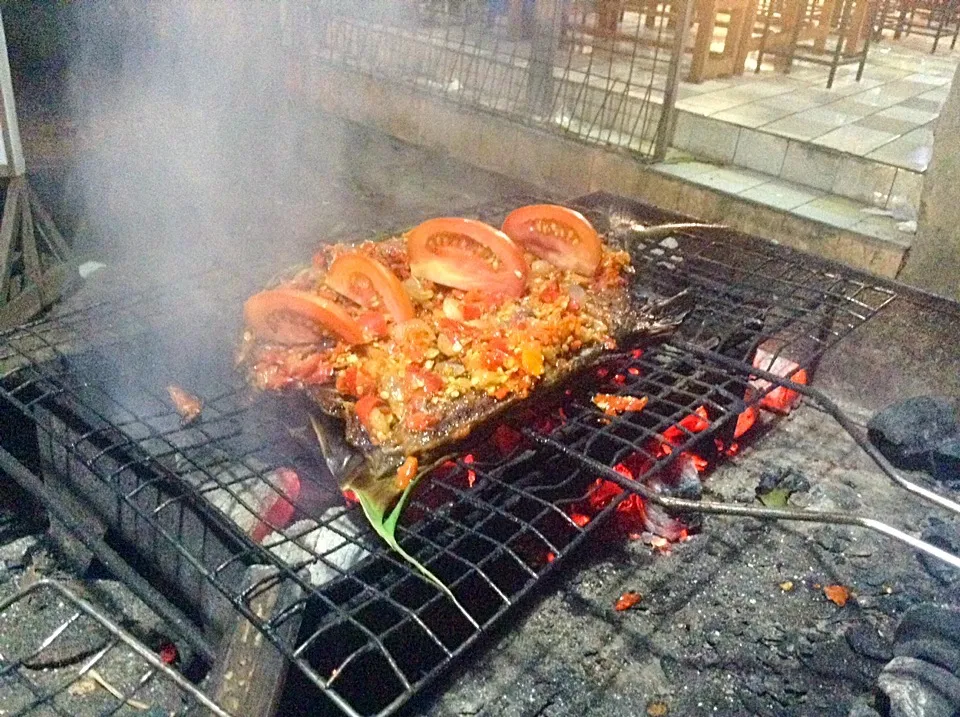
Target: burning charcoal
916,688
340,542
865,640
930,633
909,431
942,535
946,461
777,485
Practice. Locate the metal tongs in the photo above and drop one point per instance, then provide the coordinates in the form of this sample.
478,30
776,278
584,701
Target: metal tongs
764,513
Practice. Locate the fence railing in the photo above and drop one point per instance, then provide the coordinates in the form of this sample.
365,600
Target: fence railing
572,67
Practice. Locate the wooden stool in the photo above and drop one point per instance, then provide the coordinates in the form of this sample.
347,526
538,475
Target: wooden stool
707,64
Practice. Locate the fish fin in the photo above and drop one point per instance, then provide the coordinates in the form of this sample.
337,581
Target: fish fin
342,461
384,522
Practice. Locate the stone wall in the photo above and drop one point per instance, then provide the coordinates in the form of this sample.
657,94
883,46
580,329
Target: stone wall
934,260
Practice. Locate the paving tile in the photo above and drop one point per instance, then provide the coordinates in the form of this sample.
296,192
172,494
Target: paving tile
836,211
781,195
906,189
905,88
926,79
938,95
760,151
752,115
911,151
795,101
854,139
907,113
731,179
876,97
883,228
686,170
711,102
810,166
795,127
705,137
864,180
827,116
919,103
850,106
885,123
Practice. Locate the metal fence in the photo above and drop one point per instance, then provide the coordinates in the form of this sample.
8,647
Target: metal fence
604,76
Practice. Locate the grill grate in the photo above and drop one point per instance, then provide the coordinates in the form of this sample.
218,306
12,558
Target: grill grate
490,523
54,674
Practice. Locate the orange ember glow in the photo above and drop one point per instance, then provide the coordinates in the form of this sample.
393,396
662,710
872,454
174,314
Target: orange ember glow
780,400
746,421
626,601
278,514
694,423
613,405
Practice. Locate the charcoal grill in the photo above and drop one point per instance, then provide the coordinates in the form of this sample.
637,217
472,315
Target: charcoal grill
490,524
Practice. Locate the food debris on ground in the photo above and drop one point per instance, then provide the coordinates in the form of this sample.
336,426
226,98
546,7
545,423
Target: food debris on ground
187,405
837,594
627,601
786,586
614,405
657,709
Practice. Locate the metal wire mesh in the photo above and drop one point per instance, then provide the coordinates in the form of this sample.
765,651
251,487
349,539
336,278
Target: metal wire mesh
597,74
46,670
194,503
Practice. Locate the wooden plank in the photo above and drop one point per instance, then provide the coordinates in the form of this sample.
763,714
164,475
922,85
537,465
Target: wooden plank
15,312
248,679
28,243
8,232
45,223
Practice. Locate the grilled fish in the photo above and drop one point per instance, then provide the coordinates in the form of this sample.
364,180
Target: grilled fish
414,349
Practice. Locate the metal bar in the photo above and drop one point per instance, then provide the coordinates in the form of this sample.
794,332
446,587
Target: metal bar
128,639
745,511
109,557
668,114
837,414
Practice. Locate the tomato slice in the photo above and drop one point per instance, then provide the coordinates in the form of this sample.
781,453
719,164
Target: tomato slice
469,255
559,235
370,284
287,316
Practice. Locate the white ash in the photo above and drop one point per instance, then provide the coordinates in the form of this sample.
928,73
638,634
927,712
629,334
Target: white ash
328,550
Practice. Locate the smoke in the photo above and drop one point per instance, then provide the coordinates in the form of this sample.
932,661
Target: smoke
192,148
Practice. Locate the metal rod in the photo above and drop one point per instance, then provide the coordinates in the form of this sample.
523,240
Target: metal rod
837,414
745,511
668,114
151,597
129,640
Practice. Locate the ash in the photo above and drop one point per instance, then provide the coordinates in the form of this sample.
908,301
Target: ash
733,621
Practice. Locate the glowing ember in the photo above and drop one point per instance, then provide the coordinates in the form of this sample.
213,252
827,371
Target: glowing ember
627,601
613,405
506,440
694,423
780,400
278,508
579,519
746,421
168,653
471,474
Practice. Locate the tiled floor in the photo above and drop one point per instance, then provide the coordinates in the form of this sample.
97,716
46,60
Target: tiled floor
793,197
888,116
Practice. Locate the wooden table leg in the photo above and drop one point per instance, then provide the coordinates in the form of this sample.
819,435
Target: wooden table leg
706,22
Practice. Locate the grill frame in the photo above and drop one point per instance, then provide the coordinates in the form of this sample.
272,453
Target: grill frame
736,297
